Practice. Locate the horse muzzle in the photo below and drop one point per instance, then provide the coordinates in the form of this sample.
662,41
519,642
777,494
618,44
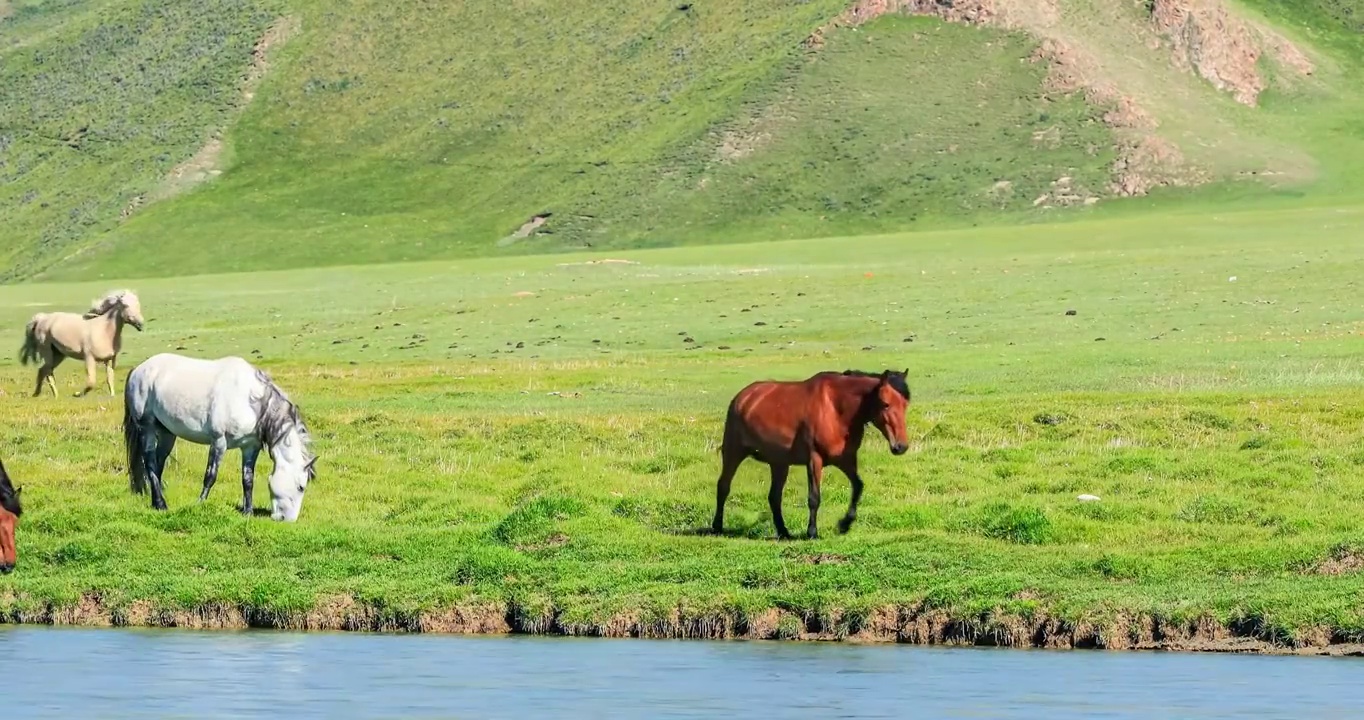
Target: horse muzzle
898,448
6,569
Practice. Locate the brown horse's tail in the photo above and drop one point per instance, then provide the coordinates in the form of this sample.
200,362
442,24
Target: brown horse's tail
732,439
132,443
29,352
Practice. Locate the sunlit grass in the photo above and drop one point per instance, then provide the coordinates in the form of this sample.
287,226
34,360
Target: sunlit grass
570,475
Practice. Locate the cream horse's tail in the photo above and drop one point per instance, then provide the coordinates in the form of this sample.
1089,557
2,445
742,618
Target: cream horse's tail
32,340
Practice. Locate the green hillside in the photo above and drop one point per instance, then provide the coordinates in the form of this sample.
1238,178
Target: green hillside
137,136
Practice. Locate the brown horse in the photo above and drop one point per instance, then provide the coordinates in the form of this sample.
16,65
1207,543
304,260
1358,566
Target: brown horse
816,423
10,510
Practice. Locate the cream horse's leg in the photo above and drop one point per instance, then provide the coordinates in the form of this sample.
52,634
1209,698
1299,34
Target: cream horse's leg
51,360
109,373
90,375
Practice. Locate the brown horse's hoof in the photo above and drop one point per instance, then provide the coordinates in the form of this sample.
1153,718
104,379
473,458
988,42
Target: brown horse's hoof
844,525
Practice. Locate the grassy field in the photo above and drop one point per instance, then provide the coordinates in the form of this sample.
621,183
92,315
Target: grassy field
530,443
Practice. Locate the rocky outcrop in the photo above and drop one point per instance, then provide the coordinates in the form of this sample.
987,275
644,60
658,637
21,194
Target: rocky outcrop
1204,38
1200,36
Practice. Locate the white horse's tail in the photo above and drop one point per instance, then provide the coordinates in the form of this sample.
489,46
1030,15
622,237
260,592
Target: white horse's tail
29,352
132,442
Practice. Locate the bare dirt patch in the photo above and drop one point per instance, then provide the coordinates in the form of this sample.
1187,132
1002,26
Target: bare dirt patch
751,134
206,163
1150,161
1341,561
529,227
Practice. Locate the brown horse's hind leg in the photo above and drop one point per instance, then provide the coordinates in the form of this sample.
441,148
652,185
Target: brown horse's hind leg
814,473
779,473
850,469
731,458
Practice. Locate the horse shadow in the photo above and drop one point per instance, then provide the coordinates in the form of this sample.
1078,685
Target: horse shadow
756,530
256,511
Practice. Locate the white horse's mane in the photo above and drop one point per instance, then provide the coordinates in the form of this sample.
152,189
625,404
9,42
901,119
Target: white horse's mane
276,414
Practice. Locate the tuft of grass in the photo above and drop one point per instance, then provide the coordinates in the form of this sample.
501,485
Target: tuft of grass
1021,525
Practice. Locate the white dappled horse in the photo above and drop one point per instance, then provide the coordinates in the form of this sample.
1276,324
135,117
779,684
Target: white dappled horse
225,404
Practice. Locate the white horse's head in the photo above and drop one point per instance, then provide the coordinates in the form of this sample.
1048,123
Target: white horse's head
295,466
287,440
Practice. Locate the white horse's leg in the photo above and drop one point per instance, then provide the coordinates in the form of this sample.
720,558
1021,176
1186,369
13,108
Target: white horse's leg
165,444
215,456
151,441
249,455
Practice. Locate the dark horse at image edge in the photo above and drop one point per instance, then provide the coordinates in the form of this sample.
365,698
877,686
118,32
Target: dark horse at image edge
818,422
10,510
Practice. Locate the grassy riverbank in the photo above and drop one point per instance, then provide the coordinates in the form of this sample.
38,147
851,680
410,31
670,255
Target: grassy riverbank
530,444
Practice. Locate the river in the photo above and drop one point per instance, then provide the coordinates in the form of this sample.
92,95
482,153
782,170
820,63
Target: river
97,673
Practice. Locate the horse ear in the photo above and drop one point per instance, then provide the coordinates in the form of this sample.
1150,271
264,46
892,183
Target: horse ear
19,490
310,464
906,372
885,376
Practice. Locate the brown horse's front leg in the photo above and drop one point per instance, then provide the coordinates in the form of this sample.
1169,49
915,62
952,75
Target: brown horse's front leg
779,472
814,473
849,468
730,461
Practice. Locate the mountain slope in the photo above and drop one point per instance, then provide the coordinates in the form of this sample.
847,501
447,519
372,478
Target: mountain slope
380,133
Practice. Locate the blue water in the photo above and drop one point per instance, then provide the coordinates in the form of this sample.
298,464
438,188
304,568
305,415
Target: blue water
90,673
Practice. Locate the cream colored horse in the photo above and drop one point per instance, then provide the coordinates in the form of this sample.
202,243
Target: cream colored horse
95,337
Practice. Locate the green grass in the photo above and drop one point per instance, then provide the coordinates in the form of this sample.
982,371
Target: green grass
1218,420
382,135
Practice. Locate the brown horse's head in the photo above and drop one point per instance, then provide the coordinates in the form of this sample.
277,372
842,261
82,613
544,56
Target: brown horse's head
891,401
125,302
10,510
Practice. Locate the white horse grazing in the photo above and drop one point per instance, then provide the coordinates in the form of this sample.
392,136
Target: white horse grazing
225,404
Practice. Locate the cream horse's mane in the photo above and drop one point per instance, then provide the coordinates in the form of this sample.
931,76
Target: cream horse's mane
102,305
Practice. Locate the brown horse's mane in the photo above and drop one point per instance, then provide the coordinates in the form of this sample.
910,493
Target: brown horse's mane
894,378
9,497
